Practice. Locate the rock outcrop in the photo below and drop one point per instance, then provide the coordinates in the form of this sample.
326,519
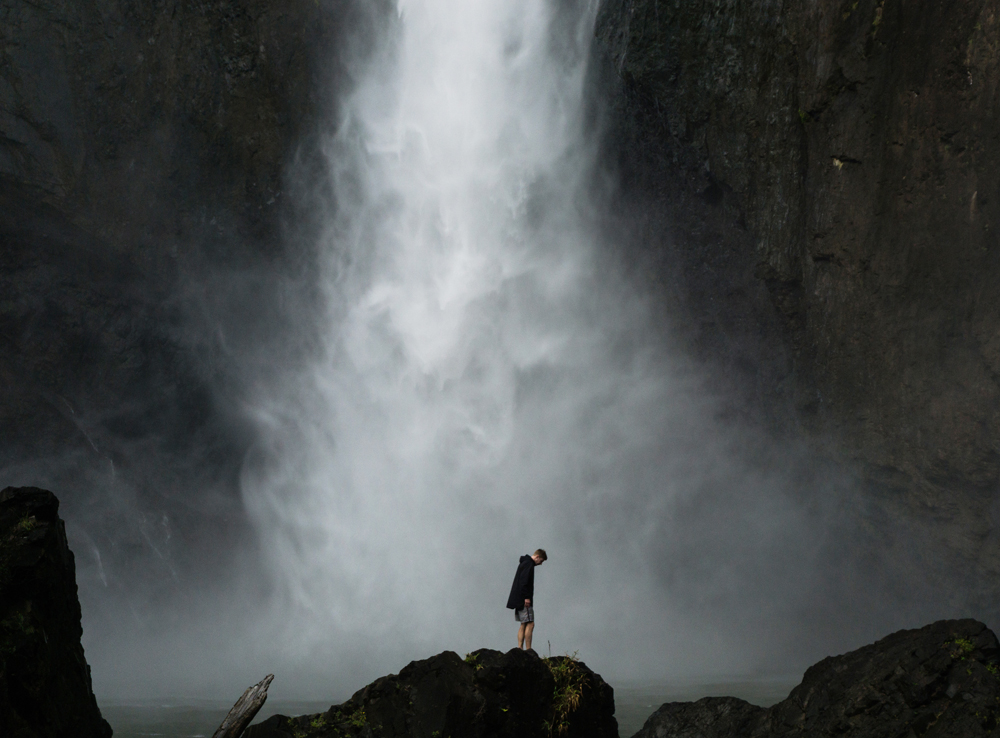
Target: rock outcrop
488,694
825,174
941,681
45,689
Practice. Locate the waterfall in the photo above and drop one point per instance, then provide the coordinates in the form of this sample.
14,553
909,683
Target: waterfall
488,382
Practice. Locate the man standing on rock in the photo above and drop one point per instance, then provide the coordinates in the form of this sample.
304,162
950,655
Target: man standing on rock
521,593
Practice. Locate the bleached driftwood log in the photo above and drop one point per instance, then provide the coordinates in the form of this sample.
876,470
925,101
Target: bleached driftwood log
244,710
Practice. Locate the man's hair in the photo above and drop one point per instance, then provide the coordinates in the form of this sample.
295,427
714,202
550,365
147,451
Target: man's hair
541,552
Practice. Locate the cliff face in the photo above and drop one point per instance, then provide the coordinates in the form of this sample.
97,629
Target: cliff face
844,156
45,686
141,120
142,210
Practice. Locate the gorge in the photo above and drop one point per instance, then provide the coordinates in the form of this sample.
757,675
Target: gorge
316,315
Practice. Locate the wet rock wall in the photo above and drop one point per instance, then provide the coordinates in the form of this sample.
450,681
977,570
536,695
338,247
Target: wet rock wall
824,176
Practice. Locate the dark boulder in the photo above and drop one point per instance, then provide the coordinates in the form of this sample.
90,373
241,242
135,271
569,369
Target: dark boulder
940,681
488,694
45,688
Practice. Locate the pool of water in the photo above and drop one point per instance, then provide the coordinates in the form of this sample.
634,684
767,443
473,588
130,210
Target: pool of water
198,718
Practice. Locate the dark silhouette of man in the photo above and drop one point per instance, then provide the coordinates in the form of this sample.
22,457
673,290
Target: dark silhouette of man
522,591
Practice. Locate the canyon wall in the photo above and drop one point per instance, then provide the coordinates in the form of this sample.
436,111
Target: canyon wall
826,176
145,223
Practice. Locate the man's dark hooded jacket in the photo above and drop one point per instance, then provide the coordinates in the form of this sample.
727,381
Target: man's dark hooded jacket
523,587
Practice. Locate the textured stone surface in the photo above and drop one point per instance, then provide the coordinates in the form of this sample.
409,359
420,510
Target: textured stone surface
941,680
45,689
138,117
488,694
844,155
142,201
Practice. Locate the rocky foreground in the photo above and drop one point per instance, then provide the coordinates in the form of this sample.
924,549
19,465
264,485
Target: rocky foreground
45,688
489,693
940,681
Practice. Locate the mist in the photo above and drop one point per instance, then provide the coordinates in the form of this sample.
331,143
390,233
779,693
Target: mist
490,380
479,373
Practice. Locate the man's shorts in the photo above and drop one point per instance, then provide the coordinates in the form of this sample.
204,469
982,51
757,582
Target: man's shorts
525,615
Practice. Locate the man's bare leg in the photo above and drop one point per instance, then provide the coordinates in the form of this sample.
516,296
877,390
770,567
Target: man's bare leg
520,636
528,628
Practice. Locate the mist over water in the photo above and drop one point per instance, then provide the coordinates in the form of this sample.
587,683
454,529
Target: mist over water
490,382
483,390
486,388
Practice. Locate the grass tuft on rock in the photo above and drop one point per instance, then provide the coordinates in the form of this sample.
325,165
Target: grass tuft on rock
472,659
567,693
962,648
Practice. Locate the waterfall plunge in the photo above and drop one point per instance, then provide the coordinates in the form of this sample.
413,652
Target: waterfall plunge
487,384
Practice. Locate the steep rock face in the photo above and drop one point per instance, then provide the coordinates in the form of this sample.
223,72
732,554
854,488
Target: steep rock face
45,686
139,119
941,680
143,147
488,694
138,143
844,155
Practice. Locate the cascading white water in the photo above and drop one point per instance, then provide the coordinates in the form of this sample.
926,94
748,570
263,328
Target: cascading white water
487,386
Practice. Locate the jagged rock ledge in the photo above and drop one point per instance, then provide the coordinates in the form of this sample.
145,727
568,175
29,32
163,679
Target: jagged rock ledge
45,688
940,681
489,693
